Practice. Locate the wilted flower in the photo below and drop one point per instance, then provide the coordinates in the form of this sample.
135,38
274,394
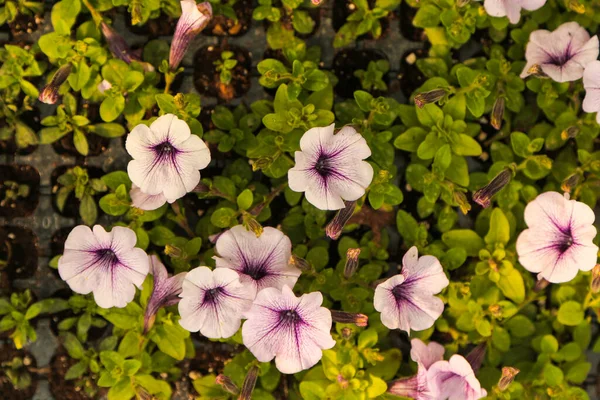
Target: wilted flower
591,83
406,301
571,182
262,261
334,228
105,263
227,384
498,113
343,317
476,356
508,376
117,44
49,93
454,380
213,302
293,330
145,201
558,242
166,157
561,54
483,196
351,262
511,8
572,131
249,383
194,18
165,291
330,168
429,97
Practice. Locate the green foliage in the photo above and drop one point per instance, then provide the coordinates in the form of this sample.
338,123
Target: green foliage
76,181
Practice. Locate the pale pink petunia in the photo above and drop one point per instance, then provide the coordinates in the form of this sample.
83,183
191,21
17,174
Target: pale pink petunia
194,18
558,242
425,355
105,263
561,54
213,302
293,330
454,380
511,8
330,167
591,83
165,290
145,201
407,301
262,261
104,86
166,157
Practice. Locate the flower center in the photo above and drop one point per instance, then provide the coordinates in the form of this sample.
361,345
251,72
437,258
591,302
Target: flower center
165,149
565,244
289,316
211,295
397,292
322,166
107,257
255,272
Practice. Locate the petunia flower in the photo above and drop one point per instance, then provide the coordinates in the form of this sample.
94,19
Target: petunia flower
406,301
425,355
104,86
145,201
105,263
561,54
49,94
262,261
194,18
330,168
511,8
454,380
166,157
165,291
293,330
213,302
558,242
591,83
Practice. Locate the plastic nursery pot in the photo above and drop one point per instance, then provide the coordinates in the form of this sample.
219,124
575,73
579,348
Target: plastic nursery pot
22,205
72,389
406,14
346,62
7,389
23,26
207,79
71,209
161,26
220,25
18,252
343,8
411,77
32,119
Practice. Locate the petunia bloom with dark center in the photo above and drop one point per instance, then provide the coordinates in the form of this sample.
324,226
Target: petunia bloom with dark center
591,83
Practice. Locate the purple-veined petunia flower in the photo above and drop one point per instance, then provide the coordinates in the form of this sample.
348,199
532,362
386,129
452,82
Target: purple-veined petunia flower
561,54
558,242
145,201
213,302
166,157
425,355
165,291
194,18
293,330
454,380
407,301
330,167
591,83
262,261
511,8
105,263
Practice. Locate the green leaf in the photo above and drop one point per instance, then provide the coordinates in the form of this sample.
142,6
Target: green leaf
367,339
223,217
428,16
553,375
88,210
570,313
363,99
112,107
512,286
465,238
72,345
578,373
108,130
466,146
76,370
245,199
499,231
80,142
411,139
430,115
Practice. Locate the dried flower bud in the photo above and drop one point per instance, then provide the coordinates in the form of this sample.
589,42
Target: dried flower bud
351,262
536,70
571,182
498,113
117,44
173,251
596,279
540,285
249,383
483,196
227,384
576,6
508,375
475,356
462,201
194,18
335,227
570,133
261,163
346,333
496,310
300,263
360,320
253,225
429,97
49,93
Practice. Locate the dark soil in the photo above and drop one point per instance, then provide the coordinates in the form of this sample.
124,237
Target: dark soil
31,118
161,26
19,246
343,8
288,22
211,356
97,144
7,390
206,77
407,14
60,388
348,61
220,25
21,174
411,77
71,209
24,25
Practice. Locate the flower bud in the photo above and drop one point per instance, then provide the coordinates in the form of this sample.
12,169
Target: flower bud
253,225
117,44
498,113
508,375
571,182
351,262
483,196
261,163
596,279
227,384
342,317
194,18
475,356
496,310
536,71
570,133
576,6
429,97
173,251
249,383
49,93
334,229
299,263
461,200
346,333
540,285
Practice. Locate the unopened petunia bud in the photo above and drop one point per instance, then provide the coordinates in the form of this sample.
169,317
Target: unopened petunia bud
570,182
483,196
508,375
342,317
498,113
194,18
335,227
117,44
570,133
249,383
596,278
475,356
429,97
351,262
49,93
300,263
540,285
173,251
227,384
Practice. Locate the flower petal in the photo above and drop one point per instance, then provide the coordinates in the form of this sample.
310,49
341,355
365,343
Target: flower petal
426,354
